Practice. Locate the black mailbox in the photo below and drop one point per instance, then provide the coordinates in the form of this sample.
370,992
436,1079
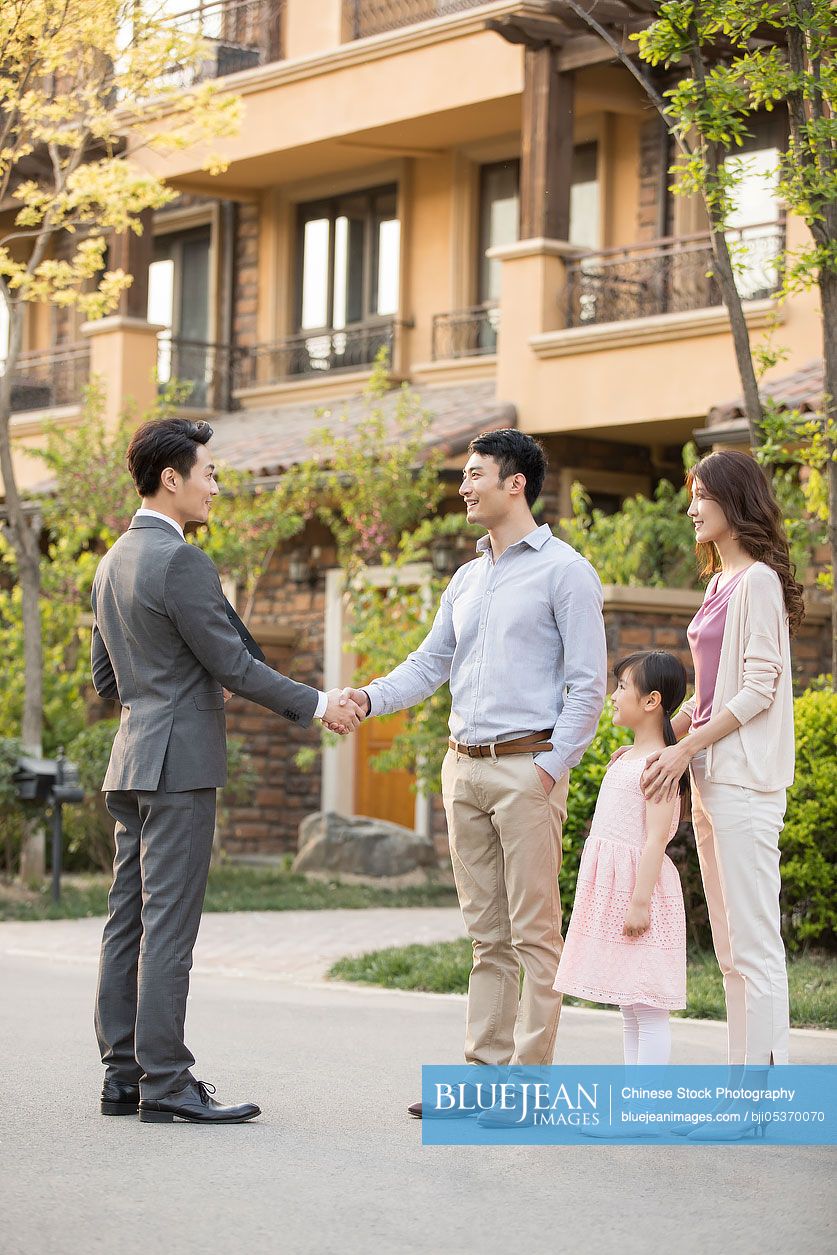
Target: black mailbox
67,787
50,782
35,779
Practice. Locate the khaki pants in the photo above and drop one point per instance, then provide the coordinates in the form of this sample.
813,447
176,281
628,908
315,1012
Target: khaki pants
505,841
737,833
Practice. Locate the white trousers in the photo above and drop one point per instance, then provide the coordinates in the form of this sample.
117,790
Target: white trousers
737,832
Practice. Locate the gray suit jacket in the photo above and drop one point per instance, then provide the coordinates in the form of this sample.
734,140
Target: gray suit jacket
163,645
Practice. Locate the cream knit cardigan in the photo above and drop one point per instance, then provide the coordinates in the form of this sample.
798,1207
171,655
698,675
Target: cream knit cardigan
754,682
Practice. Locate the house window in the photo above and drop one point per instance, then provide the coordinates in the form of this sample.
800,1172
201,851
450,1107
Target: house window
755,234
499,222
178,299
585,210
500,212
349,260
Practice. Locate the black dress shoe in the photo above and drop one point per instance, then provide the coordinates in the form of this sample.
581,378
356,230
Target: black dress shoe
195,1105
469,1098
119,1099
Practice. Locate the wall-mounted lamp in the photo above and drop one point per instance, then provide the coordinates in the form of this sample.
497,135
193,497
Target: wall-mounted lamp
448,553
303,567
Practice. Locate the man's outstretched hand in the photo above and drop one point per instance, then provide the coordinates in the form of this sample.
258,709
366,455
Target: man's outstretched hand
359,697
343,714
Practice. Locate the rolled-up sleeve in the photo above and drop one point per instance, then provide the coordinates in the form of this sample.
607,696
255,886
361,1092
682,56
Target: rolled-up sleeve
764,627
688,707
762,668
577,606
423,671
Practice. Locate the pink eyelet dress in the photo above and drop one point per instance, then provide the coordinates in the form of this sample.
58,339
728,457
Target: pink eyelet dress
598,962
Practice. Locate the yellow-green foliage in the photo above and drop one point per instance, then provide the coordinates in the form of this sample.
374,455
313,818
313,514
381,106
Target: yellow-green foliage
809,839
92,502
84,88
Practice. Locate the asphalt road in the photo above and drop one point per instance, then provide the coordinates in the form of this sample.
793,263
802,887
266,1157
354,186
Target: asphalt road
334,1165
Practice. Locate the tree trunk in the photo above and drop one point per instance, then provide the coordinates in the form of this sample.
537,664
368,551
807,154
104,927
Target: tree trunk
828,296
725,273
740,335
24,537
720,249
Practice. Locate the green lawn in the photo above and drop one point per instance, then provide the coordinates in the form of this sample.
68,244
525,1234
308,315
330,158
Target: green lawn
231,888
444,968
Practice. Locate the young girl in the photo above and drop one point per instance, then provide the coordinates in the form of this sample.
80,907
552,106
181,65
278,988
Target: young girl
626,943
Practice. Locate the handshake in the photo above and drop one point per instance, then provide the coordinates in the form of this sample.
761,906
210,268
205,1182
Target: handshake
345,710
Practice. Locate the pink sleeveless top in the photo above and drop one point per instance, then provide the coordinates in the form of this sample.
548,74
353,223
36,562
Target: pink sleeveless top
705,634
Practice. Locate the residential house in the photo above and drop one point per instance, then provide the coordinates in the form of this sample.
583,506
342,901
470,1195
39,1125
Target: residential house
482,189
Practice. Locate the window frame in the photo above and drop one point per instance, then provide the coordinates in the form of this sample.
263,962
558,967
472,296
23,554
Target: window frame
592,142
329,207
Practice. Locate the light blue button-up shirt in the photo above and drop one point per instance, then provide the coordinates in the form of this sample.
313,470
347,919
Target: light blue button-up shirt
522,642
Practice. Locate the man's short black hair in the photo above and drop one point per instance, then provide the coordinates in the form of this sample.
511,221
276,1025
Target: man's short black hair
164,442
515,453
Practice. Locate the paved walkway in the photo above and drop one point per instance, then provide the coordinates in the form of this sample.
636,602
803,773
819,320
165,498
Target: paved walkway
297,946
333,1165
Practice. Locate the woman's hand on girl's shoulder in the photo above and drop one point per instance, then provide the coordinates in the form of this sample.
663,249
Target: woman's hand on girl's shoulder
617,753
660,779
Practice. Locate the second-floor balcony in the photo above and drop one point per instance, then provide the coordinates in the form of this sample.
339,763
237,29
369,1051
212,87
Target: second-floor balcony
466,332
207,369
314,353
236,34
671,275
374,17
49,378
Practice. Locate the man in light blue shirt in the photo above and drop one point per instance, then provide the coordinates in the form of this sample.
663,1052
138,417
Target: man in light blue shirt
519,635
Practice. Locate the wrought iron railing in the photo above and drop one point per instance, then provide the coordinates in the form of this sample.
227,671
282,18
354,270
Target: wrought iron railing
207,368
314,353
670,275
466,332
52,377
373,17
238,35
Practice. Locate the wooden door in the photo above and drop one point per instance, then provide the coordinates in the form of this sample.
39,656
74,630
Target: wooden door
382,794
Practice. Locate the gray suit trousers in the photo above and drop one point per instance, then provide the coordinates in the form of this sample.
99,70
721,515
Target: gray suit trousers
163,849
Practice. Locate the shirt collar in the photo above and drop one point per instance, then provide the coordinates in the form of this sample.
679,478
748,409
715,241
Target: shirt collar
143,513
535,540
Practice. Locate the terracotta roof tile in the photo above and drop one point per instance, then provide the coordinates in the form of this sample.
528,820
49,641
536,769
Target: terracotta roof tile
802,390
267,441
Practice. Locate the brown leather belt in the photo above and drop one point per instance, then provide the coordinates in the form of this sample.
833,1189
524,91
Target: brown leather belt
531,743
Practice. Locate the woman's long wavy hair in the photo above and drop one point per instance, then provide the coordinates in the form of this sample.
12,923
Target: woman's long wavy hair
740,487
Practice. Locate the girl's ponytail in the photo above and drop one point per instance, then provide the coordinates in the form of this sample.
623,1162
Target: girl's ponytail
669,735
657,671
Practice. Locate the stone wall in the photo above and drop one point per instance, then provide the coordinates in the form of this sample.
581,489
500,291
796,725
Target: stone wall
285,794
246,291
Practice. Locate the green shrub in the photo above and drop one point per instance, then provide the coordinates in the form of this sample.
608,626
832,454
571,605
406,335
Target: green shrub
809,839
11,812
88,827
650,541
585,783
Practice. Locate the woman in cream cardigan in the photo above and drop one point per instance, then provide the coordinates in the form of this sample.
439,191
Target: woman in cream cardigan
736,738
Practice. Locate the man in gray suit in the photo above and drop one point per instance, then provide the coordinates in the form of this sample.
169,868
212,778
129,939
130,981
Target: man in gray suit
164,646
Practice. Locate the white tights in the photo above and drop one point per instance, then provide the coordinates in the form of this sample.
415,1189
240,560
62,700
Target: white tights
646,1034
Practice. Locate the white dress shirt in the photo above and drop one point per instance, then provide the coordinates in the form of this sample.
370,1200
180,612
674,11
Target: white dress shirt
522,642
155,514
